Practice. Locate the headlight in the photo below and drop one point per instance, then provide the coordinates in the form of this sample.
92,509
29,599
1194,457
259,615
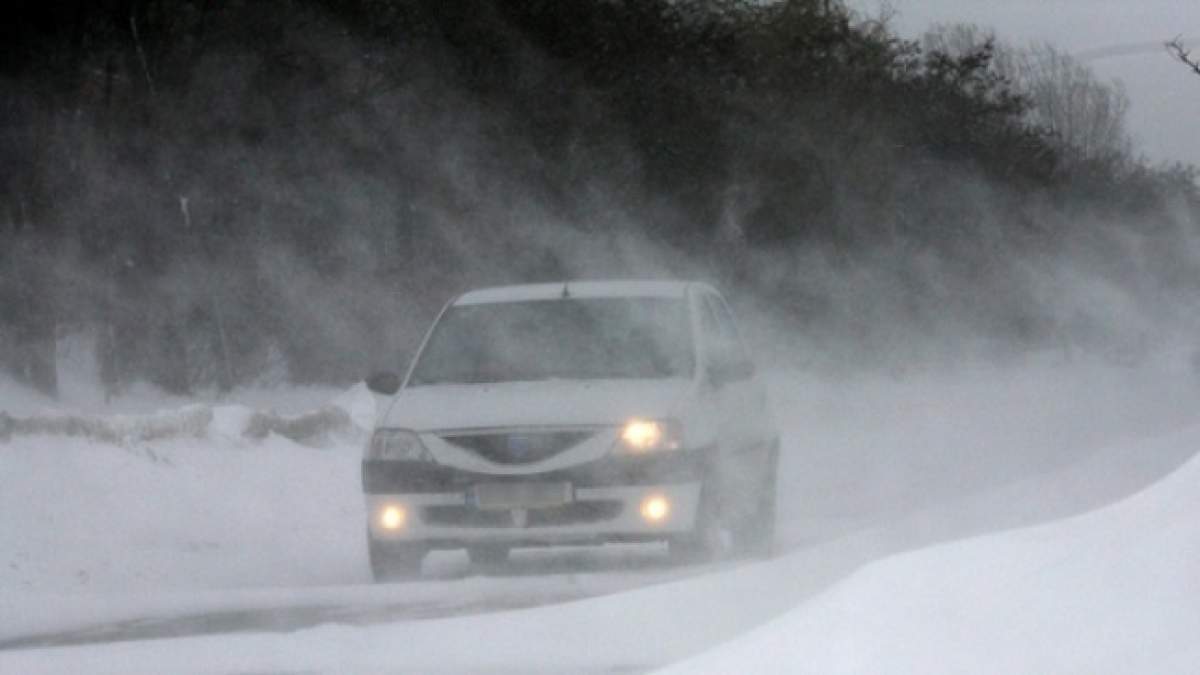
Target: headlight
640,436
393,517
397,444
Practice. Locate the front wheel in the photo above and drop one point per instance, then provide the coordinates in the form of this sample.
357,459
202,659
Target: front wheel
708,539
757,536
394,561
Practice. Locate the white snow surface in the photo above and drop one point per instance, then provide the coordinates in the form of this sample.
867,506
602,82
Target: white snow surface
1032,518
1112,591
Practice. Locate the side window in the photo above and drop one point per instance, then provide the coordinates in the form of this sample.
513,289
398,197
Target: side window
721,336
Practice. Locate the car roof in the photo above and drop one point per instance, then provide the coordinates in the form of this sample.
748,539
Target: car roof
577,289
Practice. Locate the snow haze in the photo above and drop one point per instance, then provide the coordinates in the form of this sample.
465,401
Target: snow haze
876,468
987,392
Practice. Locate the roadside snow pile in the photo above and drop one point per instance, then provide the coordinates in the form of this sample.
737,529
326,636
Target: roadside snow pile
1111,591
117,429
173,499
97,536
348,417
84,516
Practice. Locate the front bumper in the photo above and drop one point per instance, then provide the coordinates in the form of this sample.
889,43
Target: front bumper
605,503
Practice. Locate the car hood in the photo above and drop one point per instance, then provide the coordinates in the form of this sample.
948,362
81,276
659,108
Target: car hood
521,404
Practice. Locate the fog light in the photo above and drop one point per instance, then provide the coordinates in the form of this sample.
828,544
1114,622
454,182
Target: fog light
656,508
392,517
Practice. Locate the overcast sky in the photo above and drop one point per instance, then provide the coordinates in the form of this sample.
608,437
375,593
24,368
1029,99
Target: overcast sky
1119,39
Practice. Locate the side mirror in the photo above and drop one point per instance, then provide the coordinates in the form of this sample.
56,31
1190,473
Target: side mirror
723,372
386,383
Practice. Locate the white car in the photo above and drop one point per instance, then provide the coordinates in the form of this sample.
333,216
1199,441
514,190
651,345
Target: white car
572,413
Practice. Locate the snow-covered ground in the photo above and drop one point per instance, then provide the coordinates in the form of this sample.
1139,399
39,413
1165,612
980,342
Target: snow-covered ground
899,548
1112,591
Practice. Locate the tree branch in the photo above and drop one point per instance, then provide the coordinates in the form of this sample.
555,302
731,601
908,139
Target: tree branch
1183,54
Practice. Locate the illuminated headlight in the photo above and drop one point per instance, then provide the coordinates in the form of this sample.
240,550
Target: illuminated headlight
655,508
639,436
397,444
392,517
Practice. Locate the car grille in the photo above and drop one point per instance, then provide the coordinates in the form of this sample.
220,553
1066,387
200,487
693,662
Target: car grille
575,513
518,447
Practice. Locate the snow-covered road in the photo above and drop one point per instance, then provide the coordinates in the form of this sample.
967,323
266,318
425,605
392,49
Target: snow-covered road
254,550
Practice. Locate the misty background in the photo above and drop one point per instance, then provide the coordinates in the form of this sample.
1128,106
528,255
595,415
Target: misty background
217,194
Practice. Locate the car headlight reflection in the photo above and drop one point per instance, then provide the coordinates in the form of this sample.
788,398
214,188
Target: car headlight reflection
397,444
639,436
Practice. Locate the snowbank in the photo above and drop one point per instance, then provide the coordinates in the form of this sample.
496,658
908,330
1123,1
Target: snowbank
94,534
118,430
1112,591
173,499
78,516
348,417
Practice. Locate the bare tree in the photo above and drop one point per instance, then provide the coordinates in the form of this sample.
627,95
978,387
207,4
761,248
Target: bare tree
1066,97
1069,100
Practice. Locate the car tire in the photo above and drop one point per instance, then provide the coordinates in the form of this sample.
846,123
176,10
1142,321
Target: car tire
395,561
757,536
707,540
488,556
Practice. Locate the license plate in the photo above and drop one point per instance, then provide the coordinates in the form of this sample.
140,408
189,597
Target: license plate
519,495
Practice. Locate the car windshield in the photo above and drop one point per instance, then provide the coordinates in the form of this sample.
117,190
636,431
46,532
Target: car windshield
590,338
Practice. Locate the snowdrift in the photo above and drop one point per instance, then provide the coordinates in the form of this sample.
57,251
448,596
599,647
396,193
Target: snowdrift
1111,591
192,421
214,515
200,496
81,516
315,427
